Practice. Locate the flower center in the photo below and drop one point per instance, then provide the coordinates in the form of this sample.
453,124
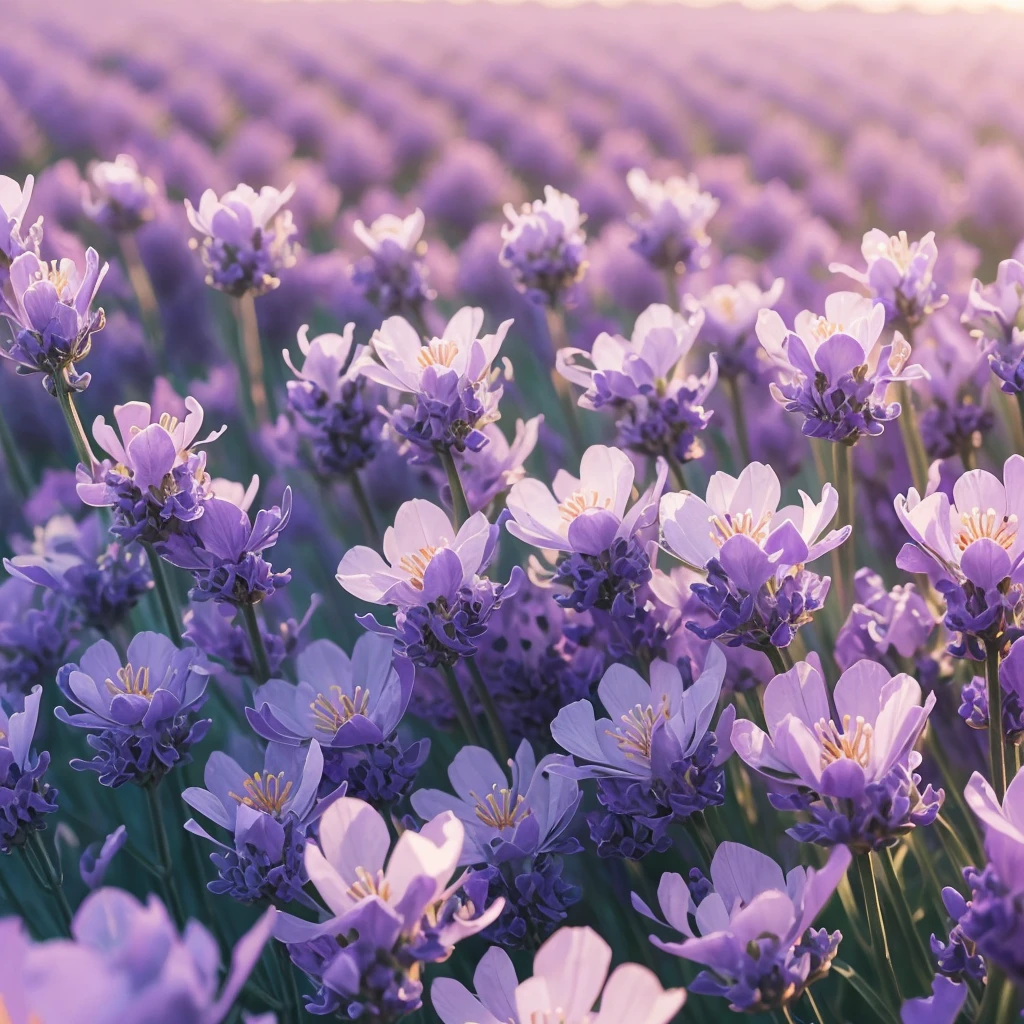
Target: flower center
733,524
498,810
438,353
555,1016
579,501
57,277
823,328
168,422
131,681
634,735
265,792
897,249
330,715
977,524
369,884
838,745
416,563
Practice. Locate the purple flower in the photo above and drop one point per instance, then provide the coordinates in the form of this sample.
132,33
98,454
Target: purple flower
96,857
974,696
50,312
505,820
455,389
154,480
24,796
248,238
35,635
14,200
730,316
224,551
488,473
141,715
994,314
570,974
833,369
544,246
393,277
268,813
899,275
852,769
673,232
941,1007
117,195
751,929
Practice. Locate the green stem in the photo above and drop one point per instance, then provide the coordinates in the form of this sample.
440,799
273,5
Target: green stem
676,469
700,840
460,508
708,841
66,400
252,355
1018,433
53,882
787,1016
462,712
261,663
997,995
905,917
916,455
163,853
15,467
817,1017
362,499
291,993
876,926
483,694
739,417
142,286
776,658
844,556
962,858
996,741
162,589
865,990
557,337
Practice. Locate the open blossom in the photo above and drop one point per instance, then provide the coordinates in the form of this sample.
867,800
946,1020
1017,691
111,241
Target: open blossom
455,389
544,246
488,473
995,314
853,771
117,195
15,237
753,933
899,275
247,238
730,316
401,904
833,369
393,276
49,309
154,480
673,230
570,974
330,402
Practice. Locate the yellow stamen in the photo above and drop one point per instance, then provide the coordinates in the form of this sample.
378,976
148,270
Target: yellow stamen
437,353
131,681
733,524
265,792
416,563
497,809
838,745
975,525
368,884
579,501
330,715
634,735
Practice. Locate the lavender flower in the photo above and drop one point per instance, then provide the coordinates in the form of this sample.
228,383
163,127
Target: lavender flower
606,563
35,634
899,275
117,195
994,314
753,929
488,473
570,974
15,238
25,797
247,238
268,813
833,369
50,312
661,406
141,716
673,234
730,316
391,913
96,857
456,391
393,277
853,772
544,246
941,1007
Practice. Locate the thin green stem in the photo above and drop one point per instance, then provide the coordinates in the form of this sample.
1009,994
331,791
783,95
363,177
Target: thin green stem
260,661
949,835
787,1016
12,457
905,918
252,355
776,658
366,514
876,927
675,468
162,589
997,995
460,508
1018,433
844,556
739,417
912,443
708,841
291,995
865,989
163,853
52,880
462,712
996,740
142,286
700,839
817,1017
483,694
557,337
66,400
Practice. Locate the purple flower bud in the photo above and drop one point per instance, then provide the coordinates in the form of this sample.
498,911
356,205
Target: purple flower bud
117,195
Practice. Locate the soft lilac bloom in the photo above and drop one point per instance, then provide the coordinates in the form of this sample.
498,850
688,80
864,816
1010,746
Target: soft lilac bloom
268,813
899,275
401,902
943,1006
142,714
456,391
393,277
834,369
751,928
147,972
491,471
224,551
1003,825
995,314
842,766
117,195
49,308
730,316
673,230
505,820
247,238
544,246
36,629
154,480
24,796
96,857
570,974
14,200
